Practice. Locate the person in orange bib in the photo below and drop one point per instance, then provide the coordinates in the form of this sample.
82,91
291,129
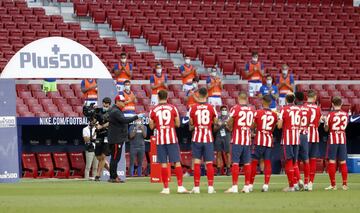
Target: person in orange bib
285,84
193,94
130,100
123,72
214,87
158,82
254,73
89,89
188,73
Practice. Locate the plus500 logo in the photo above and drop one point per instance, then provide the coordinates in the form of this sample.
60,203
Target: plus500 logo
75,61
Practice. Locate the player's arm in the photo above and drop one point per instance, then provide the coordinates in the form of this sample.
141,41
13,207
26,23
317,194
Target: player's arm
280,119
151,124
116,70
191,124
326,125
230,124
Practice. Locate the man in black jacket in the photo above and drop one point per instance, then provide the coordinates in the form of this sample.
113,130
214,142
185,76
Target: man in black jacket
118,134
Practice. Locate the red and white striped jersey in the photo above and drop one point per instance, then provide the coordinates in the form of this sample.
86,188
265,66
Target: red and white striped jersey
164,116
243,117
265,121
290,115
313,130
202,116
337,122
305,115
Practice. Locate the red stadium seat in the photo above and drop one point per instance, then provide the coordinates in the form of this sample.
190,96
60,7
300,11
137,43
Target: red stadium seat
77,165
29,165
61,165
46,167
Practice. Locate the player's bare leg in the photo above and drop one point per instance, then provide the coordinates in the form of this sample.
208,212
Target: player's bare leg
218,163
235,177
102,164
228,163
197,175
179,175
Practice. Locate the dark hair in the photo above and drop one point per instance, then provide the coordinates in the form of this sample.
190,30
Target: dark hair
267,99
336,101
196,79
268,75
254,53
311,94
203,92
299,96
223,107
126,81
290,98
123,54
106,100
162,94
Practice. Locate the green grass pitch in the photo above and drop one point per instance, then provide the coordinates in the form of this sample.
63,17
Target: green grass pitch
138,195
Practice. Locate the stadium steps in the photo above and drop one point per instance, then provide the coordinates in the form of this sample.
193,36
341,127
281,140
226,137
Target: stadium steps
66,11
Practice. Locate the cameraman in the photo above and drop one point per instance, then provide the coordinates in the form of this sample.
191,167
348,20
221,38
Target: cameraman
89,135
102,146
118,134
137,135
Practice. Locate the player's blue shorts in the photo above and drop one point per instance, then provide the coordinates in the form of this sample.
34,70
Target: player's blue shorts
240,154
337,152
304,148
203,150
261,152
291,152
167,152
313,150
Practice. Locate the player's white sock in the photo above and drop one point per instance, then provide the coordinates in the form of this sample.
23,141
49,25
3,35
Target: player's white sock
265,188
195,190
165,191
211,190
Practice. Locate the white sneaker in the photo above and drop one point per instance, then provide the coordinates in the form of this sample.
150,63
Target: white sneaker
345,187
296,187
182,190
233,189
289,189
251,187
245,189
265,188
195,190
165,191
211,190
306,187
186,174
310,186
331,188
301,184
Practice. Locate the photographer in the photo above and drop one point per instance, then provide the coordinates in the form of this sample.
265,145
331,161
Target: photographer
118,134
137,146
89,135
102,146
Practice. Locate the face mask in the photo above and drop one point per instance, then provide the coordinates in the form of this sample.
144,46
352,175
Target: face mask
268,82
123,60
213,74
255,59
224,113
105,109
285,72
158,71
127,88
195,85
187,61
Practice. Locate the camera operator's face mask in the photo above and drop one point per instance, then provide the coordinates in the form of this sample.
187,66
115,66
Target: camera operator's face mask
224,112
127,88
